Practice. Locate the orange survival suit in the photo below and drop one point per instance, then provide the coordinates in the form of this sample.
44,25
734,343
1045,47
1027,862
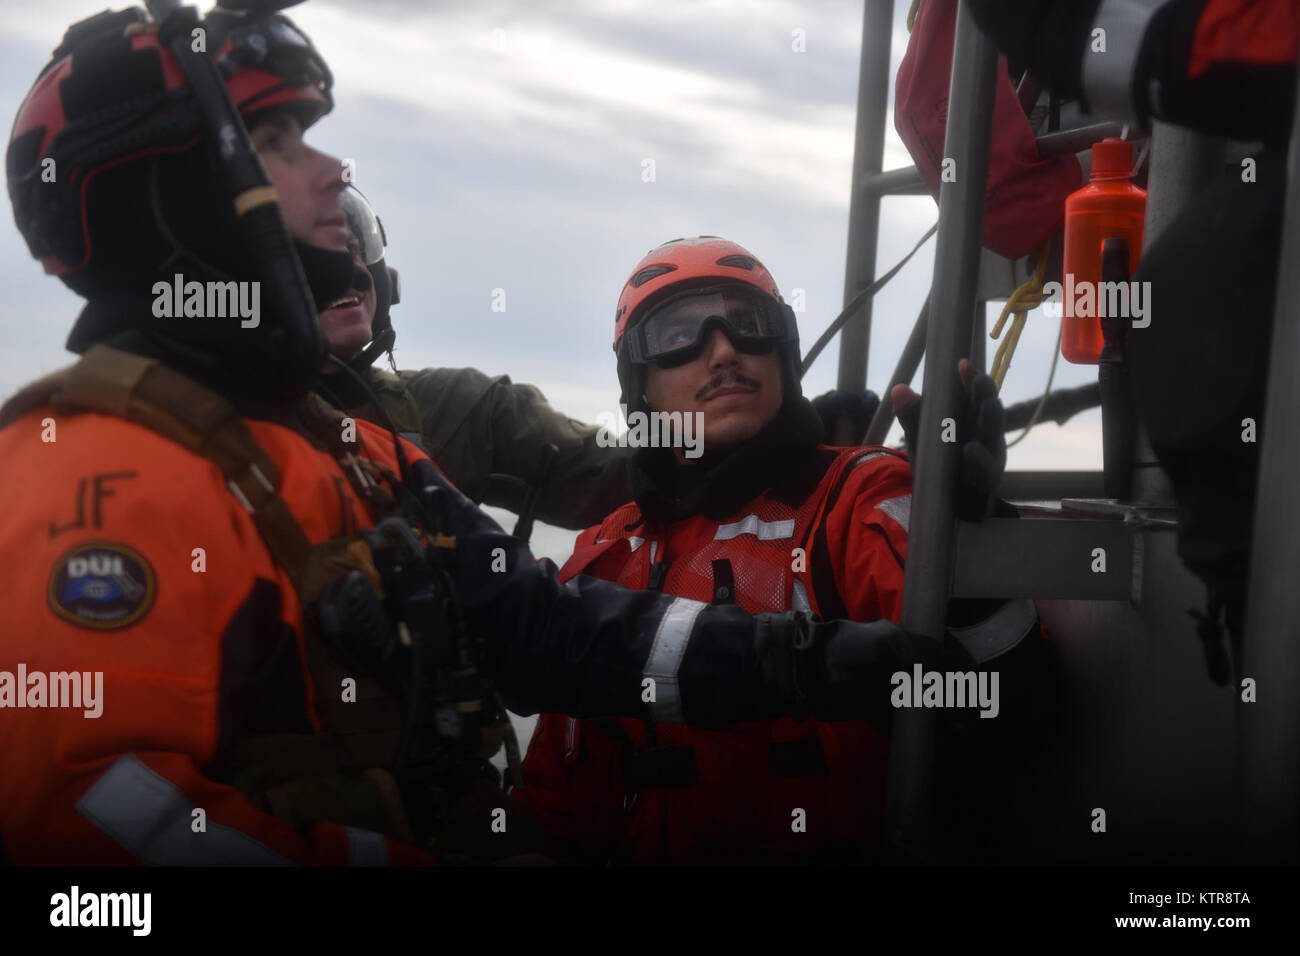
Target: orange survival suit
131,527
831,530
777,523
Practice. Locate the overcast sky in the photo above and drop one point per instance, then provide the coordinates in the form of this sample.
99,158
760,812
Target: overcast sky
503,144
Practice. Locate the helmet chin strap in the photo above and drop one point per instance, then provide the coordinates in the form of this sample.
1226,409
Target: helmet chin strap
380,344
344,378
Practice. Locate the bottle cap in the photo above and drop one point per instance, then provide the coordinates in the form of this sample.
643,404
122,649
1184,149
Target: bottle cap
1112,158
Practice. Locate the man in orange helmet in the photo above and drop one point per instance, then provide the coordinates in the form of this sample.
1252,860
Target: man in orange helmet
766,518
486,432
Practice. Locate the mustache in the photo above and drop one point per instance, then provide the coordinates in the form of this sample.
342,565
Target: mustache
725,378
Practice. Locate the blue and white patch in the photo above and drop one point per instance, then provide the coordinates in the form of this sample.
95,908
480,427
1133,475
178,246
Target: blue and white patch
102,585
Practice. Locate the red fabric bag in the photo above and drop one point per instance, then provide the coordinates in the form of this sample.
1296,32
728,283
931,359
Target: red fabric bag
1025,200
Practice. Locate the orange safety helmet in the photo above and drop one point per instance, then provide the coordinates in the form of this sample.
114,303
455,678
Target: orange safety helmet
678,266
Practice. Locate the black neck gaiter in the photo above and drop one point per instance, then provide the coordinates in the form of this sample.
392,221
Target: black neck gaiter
718,483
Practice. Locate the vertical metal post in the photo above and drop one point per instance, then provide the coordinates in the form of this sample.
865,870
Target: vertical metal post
1268,730
864,203
948,338
1182,164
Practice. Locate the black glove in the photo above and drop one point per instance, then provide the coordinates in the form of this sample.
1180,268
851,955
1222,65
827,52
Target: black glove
842,670
858,407
984,447
1047,37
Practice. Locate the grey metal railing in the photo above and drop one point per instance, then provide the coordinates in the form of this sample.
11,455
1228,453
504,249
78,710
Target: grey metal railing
935,462
864,205
947,558
1268,730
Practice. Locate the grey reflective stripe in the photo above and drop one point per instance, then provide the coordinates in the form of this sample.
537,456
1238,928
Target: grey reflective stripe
753,524
666,657
654,546
999,632
633,542
152,819
799,599
366,848
1108,77
900,509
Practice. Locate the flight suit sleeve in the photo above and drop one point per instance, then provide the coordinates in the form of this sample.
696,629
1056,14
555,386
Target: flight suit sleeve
481,426
587,481
140,574
455,419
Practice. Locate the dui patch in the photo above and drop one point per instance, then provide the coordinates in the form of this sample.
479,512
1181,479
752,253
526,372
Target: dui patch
102,585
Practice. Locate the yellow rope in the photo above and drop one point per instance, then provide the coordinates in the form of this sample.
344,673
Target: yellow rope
1024,299
911,14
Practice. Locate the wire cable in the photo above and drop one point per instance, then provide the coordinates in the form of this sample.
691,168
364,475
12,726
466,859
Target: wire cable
1042,402
856,302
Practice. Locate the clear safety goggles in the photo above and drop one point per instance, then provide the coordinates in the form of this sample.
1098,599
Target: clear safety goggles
675,330
364,225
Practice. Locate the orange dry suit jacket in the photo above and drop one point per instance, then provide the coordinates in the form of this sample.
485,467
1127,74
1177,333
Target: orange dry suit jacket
834,528
779,523
200,645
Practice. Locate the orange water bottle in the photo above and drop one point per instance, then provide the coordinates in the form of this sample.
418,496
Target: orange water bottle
1111,205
